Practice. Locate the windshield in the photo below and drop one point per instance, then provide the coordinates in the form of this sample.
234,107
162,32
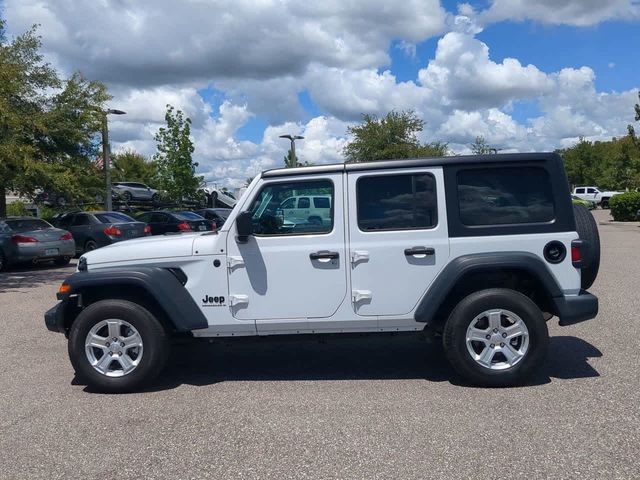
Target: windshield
114,217
27,225
187,216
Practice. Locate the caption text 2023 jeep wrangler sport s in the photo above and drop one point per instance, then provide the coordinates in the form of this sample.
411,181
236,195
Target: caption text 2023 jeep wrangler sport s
480,249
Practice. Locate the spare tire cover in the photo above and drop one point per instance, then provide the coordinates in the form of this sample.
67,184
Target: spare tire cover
588,231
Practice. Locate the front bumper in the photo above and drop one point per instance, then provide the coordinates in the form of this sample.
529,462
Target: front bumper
54,318
576,308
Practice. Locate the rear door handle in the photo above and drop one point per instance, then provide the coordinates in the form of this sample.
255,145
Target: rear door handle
419,251
322,254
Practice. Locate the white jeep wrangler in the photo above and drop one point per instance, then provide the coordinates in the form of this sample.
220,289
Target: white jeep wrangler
482,250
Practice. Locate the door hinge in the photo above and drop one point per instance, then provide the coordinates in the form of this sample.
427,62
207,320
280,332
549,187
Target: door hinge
359,256
235,300
233,262
360,295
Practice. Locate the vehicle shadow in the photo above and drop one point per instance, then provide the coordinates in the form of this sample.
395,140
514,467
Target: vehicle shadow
23,277
318,358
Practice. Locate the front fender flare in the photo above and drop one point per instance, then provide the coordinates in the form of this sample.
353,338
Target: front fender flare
159,283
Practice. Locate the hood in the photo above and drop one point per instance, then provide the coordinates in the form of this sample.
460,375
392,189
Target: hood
160,246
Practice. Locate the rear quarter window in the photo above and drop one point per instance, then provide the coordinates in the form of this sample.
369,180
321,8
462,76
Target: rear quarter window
505,196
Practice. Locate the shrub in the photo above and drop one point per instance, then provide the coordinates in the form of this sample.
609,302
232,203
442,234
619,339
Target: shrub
17,209
624,207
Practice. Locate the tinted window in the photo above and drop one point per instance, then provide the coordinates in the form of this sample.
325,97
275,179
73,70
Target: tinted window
80,220
114,217
321,202
145,217
269,218
579,190
187,216
27,224
304,203
289,203
158,218
505,196
397,202
591,190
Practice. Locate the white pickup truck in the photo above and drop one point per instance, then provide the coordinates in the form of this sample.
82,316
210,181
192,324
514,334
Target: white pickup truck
594,194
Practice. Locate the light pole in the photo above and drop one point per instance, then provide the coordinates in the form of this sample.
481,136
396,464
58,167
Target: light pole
106,153
293,139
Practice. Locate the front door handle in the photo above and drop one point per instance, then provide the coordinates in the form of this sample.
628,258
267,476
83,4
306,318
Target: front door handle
419,251
322,254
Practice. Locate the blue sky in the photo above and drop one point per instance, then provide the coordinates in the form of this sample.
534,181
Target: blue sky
528,75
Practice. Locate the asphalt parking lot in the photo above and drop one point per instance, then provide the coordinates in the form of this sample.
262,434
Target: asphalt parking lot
387,407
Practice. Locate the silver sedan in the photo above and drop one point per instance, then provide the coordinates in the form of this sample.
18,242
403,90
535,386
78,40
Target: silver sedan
28,239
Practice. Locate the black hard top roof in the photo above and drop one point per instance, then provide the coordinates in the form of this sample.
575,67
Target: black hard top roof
411,163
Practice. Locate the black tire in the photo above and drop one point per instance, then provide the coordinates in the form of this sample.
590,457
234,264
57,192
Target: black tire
455,332
90,245
62,261
588,231
604,203
154,339
3,262
126,196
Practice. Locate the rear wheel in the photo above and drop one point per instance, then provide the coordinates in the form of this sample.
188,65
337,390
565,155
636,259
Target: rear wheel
496,337
588,231
117,346
90,245
127,196
62,261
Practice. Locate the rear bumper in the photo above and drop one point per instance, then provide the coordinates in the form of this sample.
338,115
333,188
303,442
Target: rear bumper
54,318
576,308
39,252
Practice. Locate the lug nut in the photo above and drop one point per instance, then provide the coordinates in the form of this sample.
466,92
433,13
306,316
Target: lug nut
488,337
504,335
107,344
120,353
495,330
122,344
502,344
115,339
493,345
111,354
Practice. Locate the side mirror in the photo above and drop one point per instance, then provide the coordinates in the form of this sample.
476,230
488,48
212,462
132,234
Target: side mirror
244,227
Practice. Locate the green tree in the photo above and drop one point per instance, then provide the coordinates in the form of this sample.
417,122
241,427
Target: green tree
393,136
176,168
481,147
248,181
47,130
290,161
131,166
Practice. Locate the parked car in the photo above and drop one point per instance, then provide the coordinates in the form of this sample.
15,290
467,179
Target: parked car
135,191
216,215
162,222
93,230
219,198
314,209
479,251
587,203
29,239
594,194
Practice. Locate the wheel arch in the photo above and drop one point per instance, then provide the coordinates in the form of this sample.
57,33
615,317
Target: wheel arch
159,290
520,271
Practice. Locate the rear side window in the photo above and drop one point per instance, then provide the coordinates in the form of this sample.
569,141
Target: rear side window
81,220
397,202
505,196
158,218
304,202
321,202
579,190
187,216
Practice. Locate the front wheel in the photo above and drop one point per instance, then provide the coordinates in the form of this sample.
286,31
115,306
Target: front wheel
117,346
496,337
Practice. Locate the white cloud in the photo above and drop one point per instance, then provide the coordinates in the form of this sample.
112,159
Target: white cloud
571,12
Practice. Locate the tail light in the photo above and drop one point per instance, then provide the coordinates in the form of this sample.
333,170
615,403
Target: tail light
576,253
147,229
184,227
66,236
18,239
112,231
